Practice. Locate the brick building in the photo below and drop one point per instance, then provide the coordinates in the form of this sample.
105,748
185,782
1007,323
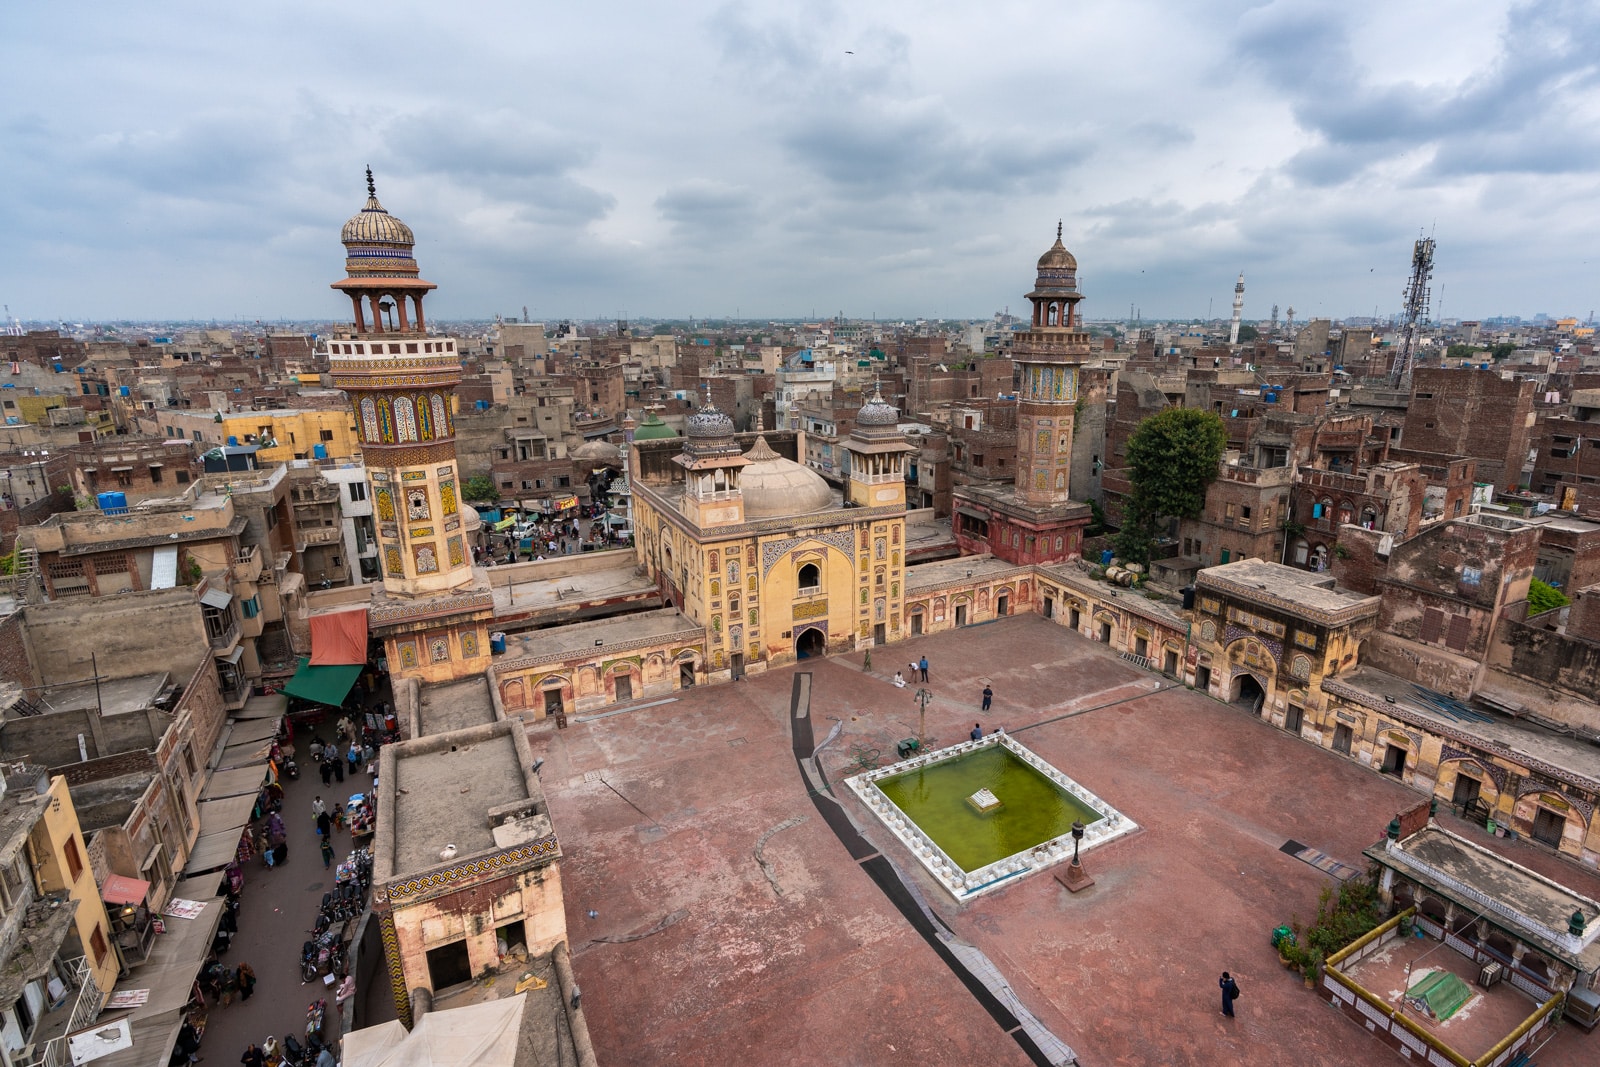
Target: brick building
1471,413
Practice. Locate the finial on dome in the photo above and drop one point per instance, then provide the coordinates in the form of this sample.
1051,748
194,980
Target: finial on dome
760,452
1058,221
372,187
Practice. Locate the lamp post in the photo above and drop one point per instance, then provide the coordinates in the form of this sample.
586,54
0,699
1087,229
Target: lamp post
1077,835
922,697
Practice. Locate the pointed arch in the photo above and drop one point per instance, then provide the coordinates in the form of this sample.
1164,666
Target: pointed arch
424,420
405,419
441,416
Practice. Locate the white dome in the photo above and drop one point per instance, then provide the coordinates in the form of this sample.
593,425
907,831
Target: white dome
772,485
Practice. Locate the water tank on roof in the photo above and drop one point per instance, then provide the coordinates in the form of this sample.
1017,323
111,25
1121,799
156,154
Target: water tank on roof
233,442
124,389
497,643
319,451
483,405
113,503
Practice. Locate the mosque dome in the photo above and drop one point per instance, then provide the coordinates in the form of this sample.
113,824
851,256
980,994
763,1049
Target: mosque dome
708,422
471,521
772,485
598,452
374,225
877,412
653,429
378,245
1058,258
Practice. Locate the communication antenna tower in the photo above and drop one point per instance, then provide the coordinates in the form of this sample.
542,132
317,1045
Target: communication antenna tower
13,327
1274,318
1416,295
1288,322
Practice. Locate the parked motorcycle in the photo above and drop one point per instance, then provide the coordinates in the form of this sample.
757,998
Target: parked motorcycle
308,962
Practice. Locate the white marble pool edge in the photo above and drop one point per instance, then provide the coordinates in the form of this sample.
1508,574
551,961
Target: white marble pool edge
964,885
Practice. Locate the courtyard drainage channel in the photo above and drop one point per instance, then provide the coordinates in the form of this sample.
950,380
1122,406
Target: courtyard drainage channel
974,970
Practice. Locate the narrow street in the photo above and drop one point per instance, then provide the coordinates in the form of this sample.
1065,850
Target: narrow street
278,908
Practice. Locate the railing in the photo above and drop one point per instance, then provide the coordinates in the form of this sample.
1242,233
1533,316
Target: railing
320,535
85,1009
224,638
1564,939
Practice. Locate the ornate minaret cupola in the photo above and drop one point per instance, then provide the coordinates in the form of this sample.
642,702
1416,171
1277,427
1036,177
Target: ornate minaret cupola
711,459
1048,356
877,456
401,384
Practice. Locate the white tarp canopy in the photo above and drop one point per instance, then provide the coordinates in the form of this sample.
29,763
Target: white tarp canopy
266,706
238,782
229,813
247,730
212,852
478,1035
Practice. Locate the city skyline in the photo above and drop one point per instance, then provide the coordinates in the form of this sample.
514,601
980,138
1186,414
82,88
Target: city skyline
756,161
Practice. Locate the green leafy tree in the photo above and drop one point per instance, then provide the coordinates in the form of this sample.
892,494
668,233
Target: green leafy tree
1248,333
1502,351
1172,458
479,487
1460,352
1543,598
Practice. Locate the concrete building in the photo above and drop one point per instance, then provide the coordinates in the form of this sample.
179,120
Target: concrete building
450,880
137,467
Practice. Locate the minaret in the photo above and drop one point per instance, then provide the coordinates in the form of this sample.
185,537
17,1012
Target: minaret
401,384
1238,309
711,459
877,456
1049,355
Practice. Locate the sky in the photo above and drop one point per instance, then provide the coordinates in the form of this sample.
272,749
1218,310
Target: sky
632,159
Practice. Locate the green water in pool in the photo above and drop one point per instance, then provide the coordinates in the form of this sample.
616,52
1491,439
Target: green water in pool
1034,809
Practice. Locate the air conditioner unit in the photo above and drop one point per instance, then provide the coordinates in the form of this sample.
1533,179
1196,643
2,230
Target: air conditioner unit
1491,973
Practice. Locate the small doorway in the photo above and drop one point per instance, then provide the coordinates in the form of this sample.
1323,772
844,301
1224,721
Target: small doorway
916,625
1105,632
1170,664
1548,827
1251,695
1202,679
1002,604
961,614
1074,618
510,935
1294,719
1394,761
1141,647
810,643
1466,791
1342,736
880,633
736,665
686,676
1049,607
552,702
448,965
624,684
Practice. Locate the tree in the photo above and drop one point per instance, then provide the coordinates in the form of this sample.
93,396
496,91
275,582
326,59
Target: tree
1502,351
1248,333
1543,598
1460,352
1172,458
479,487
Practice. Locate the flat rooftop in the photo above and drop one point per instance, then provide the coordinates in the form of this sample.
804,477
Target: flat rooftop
531,591
1384,690
113,697
584,636
945,571
441,793
1310,589
455,705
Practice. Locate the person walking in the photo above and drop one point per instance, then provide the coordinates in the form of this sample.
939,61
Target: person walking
327,853
326,769
318,808
337,764
324,826
247,981
1230,993
325,1058
253,1056
923,667
354,756
988,697
338,816
977,731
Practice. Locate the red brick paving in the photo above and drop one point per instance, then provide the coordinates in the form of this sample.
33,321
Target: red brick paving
830,973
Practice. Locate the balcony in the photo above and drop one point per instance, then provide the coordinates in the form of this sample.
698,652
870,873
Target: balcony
80,1008
247,565
317,536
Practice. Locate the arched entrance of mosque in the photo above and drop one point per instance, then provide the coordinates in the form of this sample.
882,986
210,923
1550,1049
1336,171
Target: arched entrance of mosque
811,642
1249,692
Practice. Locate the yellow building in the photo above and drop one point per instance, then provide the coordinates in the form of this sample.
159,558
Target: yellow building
56,846
756,548
282,435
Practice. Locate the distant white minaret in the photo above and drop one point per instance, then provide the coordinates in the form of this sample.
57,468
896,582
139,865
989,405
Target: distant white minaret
1238,308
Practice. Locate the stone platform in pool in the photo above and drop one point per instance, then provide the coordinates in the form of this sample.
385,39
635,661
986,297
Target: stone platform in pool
925,802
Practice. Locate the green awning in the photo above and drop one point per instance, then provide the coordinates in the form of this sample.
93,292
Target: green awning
324,685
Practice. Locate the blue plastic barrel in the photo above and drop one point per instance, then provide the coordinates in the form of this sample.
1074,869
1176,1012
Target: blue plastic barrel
319,451
497,643
1106,555
233,442
112,503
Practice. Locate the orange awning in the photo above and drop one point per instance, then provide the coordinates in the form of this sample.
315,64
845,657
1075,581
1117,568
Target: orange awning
339,637
120,889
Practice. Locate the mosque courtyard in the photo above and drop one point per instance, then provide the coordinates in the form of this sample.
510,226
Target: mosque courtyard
718,915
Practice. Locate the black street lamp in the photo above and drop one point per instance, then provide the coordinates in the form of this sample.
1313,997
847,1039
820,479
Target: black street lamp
1077,835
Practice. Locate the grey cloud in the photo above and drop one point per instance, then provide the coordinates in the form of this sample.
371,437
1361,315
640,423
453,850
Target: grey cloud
707,206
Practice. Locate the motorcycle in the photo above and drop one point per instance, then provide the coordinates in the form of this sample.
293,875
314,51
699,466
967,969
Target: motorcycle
308,962
291,769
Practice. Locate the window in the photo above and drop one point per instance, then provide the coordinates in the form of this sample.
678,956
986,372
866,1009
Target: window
183,477
155,473
810,578
251,607
74,860
1228,512
358,490
1244,513
326,435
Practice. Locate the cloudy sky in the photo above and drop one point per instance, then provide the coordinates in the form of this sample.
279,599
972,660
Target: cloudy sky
894,159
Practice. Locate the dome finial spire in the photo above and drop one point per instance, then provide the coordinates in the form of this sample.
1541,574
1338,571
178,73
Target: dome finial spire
1058,221
372,187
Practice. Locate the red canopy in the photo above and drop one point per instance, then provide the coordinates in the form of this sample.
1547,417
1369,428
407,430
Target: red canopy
339,637
119,889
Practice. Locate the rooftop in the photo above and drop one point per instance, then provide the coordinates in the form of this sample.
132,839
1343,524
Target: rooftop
116,696
1531,745
1291,588
562,641
455,705
542,586
439,791
948,571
